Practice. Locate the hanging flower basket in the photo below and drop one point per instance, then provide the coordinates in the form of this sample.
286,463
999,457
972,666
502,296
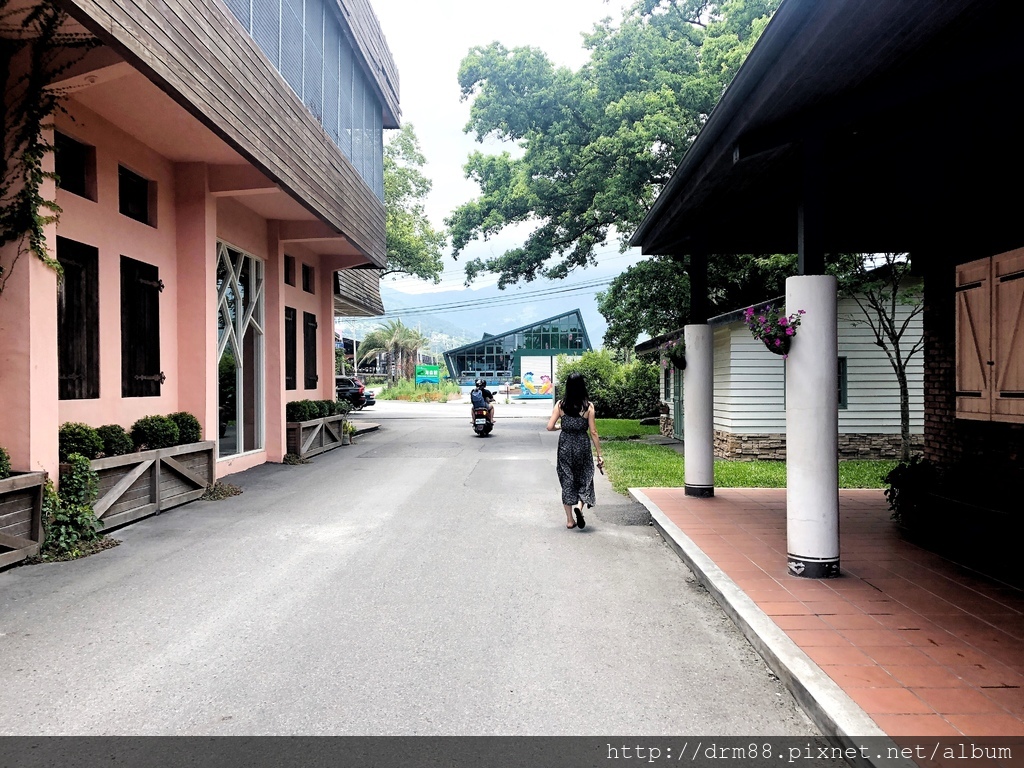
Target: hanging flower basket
773,328
675,353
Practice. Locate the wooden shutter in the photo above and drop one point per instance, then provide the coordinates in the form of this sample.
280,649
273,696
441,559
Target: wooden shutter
140,329
290,351
78,321
309,349
1008,336
973,337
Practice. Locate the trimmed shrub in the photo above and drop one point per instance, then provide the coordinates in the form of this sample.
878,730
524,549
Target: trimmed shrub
116,440
189,430
5,464
75,437
152,432
342,407
301,410
324,408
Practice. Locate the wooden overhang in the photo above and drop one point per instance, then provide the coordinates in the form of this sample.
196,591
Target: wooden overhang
196,52
906,113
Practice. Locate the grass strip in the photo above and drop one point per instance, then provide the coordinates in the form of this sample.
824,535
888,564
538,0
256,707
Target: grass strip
640,465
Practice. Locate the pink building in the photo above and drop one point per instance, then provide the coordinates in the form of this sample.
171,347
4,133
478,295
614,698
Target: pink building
222,193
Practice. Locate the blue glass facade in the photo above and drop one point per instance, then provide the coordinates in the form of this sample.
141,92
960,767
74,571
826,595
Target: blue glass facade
307,43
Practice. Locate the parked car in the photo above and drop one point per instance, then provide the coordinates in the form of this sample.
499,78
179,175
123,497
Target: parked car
350,389
368,394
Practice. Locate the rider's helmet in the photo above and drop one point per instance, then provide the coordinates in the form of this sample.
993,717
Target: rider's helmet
480,383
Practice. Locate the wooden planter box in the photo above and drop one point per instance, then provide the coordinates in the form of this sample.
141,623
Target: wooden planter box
141,484
21,516
308,438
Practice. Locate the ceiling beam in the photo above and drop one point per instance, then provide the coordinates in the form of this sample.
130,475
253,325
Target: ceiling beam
238,180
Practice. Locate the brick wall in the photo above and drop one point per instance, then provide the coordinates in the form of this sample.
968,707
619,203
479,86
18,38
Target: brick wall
772,447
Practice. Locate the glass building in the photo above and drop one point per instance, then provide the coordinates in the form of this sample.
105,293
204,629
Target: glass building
497,358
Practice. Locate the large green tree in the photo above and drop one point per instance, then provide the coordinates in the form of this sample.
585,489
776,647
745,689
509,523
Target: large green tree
593,147
413,245
653,296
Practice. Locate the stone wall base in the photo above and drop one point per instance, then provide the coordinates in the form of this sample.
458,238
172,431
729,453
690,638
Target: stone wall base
665,425
772,447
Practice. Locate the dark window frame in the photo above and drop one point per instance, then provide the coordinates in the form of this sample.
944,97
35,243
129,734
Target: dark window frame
75,166
289,270
78,321
136,196
309,353
844,385
308,279
140,329
290,348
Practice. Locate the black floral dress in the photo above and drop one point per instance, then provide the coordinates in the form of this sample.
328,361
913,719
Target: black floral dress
575,461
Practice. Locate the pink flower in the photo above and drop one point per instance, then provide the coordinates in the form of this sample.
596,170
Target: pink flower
783,321
789,331
778,342
750,312
801,312
760,319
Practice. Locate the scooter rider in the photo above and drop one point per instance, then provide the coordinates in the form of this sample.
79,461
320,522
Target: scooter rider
481,397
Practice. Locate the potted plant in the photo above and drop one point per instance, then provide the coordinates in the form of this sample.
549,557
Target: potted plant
21,499
773,328
160,463
348,432
314,426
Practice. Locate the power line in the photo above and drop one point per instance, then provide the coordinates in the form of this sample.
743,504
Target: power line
522,298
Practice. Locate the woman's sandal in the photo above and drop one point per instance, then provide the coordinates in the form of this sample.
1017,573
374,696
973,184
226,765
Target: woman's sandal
579,517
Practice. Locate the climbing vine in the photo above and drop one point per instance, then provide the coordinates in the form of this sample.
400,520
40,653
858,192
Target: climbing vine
35,49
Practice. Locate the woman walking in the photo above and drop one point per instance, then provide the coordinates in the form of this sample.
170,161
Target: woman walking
575,461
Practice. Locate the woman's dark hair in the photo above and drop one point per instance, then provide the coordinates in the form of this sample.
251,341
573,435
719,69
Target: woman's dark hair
575,402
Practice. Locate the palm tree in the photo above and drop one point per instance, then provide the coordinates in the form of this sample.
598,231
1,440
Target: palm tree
397,341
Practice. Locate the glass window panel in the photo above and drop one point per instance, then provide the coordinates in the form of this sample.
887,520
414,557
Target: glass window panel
291,43
227,377
240,8
332,82
346,97
313,58
266,28
357,121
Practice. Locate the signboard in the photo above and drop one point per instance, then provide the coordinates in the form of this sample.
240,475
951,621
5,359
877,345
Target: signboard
428,374
537,381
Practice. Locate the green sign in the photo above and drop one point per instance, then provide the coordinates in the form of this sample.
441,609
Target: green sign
428,374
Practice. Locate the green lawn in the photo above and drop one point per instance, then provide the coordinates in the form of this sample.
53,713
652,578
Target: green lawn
622,429
639,465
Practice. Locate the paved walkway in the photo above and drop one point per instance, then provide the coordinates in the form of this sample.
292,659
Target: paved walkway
904,641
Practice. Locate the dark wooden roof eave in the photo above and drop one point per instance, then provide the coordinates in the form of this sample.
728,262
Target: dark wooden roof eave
913,122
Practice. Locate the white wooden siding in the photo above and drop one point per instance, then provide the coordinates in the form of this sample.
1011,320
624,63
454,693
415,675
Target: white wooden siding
750,384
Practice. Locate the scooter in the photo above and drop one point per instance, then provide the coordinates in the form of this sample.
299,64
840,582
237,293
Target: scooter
482,423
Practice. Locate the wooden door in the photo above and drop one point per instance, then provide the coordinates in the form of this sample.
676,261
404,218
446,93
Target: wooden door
973,340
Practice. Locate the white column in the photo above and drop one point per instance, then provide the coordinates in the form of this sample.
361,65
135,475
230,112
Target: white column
698,411
812,429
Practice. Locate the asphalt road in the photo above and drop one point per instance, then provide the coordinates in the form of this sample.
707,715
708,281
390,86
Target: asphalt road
418,582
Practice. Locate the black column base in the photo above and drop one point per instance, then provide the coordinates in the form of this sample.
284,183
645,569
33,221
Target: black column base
812,568
700,491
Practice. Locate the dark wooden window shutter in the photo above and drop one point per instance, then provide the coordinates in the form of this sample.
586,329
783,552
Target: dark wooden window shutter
1008,336
140,329
133,196
309,349
973,340
290,349
289,270
78,321
308,282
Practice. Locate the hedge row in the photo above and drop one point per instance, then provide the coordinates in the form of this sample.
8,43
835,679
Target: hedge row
307,410
148,433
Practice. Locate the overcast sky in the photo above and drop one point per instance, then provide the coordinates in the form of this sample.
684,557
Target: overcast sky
428,39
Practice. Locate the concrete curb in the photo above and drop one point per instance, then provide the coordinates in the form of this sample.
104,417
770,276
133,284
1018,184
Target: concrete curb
830,708
362,429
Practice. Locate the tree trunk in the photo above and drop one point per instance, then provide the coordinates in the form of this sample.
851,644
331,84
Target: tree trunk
901,377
